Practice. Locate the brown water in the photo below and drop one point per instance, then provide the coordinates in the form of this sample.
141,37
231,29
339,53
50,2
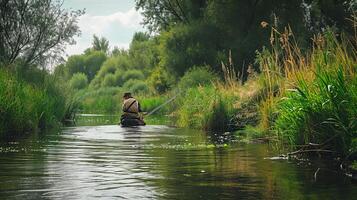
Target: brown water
157,162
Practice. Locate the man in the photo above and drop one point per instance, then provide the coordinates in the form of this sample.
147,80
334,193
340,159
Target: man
131,111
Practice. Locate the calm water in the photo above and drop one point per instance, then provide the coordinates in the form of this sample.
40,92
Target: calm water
156,162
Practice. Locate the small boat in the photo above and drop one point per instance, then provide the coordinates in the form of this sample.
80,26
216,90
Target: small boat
127,122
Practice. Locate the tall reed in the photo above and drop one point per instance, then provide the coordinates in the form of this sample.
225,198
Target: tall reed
311,96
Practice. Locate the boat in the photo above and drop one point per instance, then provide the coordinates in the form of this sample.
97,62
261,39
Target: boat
129,122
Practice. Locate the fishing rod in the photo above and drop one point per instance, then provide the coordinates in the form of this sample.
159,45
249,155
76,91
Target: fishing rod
160,106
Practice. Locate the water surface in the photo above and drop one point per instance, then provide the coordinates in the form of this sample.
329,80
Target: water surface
157,162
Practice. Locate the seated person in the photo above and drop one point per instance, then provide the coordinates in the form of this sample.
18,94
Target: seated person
131,109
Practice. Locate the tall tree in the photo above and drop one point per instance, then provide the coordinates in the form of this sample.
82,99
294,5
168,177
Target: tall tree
100,44
160,14
35,30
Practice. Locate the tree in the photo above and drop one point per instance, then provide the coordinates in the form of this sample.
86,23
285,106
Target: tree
93,62
75,64
100,44
88,64
160,14
35,30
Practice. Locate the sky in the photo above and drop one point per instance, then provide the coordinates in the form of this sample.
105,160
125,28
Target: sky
116,20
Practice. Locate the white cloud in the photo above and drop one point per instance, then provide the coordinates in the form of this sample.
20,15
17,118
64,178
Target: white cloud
98,24
117,27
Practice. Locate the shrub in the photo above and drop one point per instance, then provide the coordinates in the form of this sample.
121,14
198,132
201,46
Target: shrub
109,81
133,74
108,67
197,76
136,86
79,81
139,87
160,80
119,77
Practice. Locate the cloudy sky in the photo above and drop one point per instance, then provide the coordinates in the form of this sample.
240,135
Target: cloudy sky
116,20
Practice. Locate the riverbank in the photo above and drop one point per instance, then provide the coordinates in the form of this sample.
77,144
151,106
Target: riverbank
31,101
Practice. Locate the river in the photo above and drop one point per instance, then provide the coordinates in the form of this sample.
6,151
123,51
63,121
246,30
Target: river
157,162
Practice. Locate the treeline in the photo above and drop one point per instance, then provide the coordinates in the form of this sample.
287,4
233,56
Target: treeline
203,32
188,34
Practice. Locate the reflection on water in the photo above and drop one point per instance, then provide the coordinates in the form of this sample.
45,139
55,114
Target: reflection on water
155,162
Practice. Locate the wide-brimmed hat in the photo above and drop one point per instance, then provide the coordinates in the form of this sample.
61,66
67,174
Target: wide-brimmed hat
127,94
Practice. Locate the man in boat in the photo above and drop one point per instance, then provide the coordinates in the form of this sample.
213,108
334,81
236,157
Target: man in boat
131,112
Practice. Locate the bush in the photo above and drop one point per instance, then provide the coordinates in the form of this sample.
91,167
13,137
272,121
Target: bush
197,76
139,87
133,74
108,67
160,80
136,86
109,81
119,77
79,81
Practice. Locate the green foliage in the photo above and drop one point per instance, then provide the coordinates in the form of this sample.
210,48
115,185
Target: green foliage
102,100
113,65
322,111
143,52
218,117
136,86
88,64
75,64
139,87
79,81
160,80
205,108
100,44
108,67
197,76
185,46
25,107
35,31
133,74
109,81
150,103
93,62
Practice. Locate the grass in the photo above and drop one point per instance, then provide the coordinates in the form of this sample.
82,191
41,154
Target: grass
30,106
311,97
205,107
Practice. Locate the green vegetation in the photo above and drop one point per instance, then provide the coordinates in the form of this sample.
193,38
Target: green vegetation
33,33
314,100
230,66
79,81
27,107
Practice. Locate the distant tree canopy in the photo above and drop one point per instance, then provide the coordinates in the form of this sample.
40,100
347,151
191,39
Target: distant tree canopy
202,32
35,30
100,44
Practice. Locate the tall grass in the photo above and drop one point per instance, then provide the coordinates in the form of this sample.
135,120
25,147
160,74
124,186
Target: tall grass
106,100
204,107
27,107
311,97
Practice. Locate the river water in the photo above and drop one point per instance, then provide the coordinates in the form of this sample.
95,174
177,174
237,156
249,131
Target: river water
157,162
